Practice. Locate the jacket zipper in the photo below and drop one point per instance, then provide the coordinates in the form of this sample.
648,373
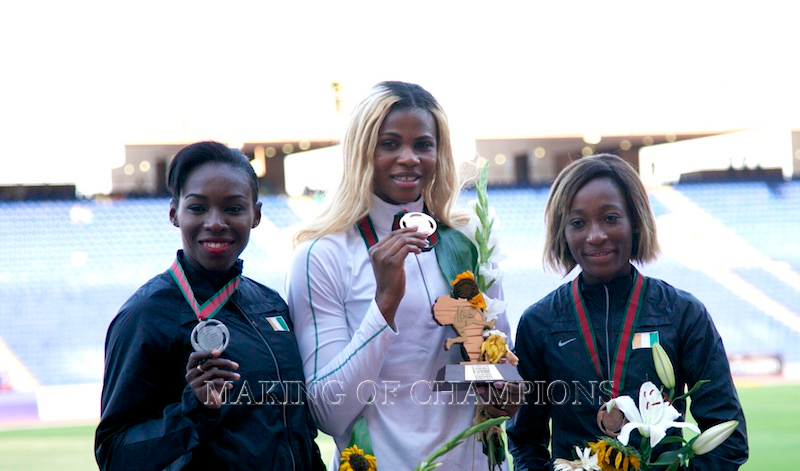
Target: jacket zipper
608,340
278,371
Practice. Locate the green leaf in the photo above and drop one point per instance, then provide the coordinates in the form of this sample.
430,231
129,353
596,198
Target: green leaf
360,436
455,253
480,238
480,210
694,388
672,439
668,457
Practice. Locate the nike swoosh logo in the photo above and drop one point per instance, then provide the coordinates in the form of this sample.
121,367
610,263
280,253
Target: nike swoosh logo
561,343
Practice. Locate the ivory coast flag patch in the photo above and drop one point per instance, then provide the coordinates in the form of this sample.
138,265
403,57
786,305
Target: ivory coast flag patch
644,339
278,323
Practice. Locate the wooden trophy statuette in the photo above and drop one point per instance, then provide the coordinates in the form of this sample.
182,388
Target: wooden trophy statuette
467,321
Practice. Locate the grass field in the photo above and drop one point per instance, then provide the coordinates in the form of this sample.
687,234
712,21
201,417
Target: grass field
772,413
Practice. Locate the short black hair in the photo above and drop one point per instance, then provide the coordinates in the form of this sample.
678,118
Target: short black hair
199,153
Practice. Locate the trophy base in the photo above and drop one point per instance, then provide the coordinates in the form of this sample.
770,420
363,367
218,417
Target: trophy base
465,375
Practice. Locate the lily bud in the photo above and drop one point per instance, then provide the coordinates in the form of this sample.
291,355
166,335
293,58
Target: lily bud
664,368
712,437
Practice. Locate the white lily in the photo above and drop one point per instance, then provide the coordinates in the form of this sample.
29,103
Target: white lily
713,436
652,418
586,462
494,307
664,368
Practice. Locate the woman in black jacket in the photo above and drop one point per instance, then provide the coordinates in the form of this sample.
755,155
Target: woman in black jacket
591,338
202,369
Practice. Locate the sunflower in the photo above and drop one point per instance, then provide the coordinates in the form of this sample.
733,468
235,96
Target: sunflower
465,287
354,459
614,456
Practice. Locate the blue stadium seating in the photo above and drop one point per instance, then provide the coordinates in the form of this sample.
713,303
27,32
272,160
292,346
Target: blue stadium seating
765,215
67,266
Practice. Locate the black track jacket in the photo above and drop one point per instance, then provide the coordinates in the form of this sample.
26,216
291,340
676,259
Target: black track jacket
152,421
564,372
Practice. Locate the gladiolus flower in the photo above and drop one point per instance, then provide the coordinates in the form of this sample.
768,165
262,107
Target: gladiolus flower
490,274
713,436
664,368
494,307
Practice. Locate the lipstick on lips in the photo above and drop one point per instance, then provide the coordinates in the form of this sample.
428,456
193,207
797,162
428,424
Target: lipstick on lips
216,246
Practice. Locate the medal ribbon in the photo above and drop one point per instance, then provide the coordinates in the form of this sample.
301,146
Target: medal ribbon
628,328
211,307
371,238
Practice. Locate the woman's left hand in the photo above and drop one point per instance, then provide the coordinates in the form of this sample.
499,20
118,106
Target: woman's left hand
502,398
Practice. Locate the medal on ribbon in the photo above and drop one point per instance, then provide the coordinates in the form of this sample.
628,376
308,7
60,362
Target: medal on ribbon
611,421
424,223
208,334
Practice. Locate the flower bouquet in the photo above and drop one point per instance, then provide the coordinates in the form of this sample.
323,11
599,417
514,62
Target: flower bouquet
654,415
494,348
482,343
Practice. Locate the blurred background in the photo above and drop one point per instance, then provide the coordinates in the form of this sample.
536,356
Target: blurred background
96,98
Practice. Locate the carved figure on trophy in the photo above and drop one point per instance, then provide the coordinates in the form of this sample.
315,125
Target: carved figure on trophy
464,313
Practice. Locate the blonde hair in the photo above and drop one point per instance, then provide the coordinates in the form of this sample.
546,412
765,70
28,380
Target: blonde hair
352,200
574,176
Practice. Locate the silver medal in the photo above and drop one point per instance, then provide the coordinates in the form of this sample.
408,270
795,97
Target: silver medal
210,335
425,224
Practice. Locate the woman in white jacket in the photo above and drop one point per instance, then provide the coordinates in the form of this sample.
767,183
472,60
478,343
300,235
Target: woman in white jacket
360,291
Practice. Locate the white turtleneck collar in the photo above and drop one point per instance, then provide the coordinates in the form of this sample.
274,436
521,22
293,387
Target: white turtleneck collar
382,213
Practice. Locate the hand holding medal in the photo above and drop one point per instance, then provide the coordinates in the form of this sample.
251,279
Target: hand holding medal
206,373
413,232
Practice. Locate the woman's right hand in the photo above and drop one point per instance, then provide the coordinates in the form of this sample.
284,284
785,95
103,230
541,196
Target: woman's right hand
208,374
388,258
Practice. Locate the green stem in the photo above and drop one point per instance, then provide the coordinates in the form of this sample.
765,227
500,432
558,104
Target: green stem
429,463
484,229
